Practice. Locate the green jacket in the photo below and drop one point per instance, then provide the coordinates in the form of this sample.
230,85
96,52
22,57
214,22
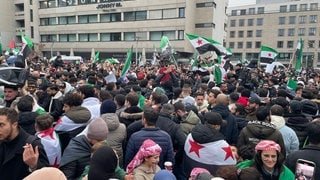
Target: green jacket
286,173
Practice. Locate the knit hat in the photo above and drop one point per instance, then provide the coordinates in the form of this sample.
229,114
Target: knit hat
148,148
49,173
97,129
196,171
108,106
164,175
267,145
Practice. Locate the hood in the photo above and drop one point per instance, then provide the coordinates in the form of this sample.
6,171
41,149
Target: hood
297,119
192,118
261,130
79,114
222,110
27,118
278,121
133,109
68,88
112,120
203,133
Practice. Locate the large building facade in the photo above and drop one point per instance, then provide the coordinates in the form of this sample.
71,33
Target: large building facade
278,24
112,26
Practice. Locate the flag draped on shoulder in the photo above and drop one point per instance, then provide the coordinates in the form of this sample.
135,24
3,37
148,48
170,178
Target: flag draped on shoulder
51,145
127,63
298,56
268,54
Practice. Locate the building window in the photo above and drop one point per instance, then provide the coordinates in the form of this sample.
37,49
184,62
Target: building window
67,20
291,32
242,12
314,6
280,32
156,35
259,21
249,44
301,31
110,37
282,20
231,45
283,8
82,2
135,15
240,34
313,18
241,22
311,44
87,37
30,2
129,36
312,31
182,12
292,20
249,33
48,4
233,12
48,38
258,33
32,31
302,19
250,22
64,3
232,34
252,11
260,10
31,15
206,4
48,21
258,44
168,13
155,14
303,7
84,19
205,25
280,44
290,44
240,45
67,37
233,23
181,34
112,17
293,8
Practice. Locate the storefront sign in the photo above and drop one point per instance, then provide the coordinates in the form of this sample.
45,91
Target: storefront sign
106,4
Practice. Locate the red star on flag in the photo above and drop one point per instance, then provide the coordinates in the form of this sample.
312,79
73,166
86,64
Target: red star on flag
195,147
199,42
228,152
269,54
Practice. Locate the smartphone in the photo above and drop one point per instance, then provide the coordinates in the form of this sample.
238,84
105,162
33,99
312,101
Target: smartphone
305,170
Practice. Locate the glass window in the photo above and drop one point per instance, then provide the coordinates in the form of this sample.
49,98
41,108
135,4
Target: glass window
52,4
180,34
259,21
83,37
81,2
83,19
303,7
301,31
135,16
63,20
252,11
88,37
291,32
302,19
63,37
242,12
62,3
258,33
31,15
142,35
280,32
260,10
290,44
169,13
282,20
72,19
233,23
240,34
205,25
155,14
206,4
250,22
105,37
241,22
44,21
67,20
48,38
233,12
72,37
93,37
249,44
249,33
280,44
155,35
313,18
311,43
231,45
115,36
181,12
314,6
170,34
129,36
240,45
258,44
93,18
141,15
283,8
312,31
293,7
292,20
232,34
52,21
129,16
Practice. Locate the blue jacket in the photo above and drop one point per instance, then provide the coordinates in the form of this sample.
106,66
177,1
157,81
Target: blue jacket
158,136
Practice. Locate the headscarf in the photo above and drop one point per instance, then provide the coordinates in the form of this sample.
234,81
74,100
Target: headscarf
196,171
267,145
148,148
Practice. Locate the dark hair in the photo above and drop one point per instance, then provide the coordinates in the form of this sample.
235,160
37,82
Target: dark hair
246,152
245,93
120,99
87,91
215,92
313,131
143,83
262,113
132,98
250,173
150,116
176,92
136,88
53,87
104,95
199,93
110,86
228,172
179,106
157,98
11,114
234,97
276,110
25,104
44,121
262,92
259,163
72,99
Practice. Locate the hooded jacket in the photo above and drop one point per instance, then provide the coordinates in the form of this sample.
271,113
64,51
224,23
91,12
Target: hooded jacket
189,121
298,123
77,117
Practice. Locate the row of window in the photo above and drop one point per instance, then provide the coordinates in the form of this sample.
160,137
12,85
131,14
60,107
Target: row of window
251,11
114,17
301,32
249,33
249,44
250,22
116,36
301,19
280,44
290,44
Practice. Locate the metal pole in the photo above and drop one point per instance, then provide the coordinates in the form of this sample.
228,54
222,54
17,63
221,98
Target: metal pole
137,39
51,48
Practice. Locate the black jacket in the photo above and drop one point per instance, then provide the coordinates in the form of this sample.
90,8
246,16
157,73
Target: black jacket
298,122
130,110
12,166
27,120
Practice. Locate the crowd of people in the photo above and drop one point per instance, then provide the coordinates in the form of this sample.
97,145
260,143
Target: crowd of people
161,122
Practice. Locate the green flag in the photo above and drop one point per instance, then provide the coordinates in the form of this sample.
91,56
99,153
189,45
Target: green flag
127,64
0,46
96,57
26,40
298,55
292,84
217,74
112,60
164,43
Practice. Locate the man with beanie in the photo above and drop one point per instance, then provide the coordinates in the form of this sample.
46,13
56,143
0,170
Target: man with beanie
77,154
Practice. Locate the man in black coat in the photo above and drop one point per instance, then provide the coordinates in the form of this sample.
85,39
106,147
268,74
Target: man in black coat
20,152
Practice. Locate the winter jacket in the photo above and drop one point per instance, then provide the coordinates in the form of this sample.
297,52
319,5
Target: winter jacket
230,131
189,122
76,157
309,153
298,123
142,172
11,159
55,107
130,110
290,138
285,173
27,120
158,136
256,131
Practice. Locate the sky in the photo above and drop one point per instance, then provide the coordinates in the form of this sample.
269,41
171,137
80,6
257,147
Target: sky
240,2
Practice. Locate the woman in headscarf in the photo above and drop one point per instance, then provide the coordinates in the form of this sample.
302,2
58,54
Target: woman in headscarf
144,165
268,161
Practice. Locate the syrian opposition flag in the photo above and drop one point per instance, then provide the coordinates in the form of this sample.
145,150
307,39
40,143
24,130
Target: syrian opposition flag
298,56
267,54
213,153
96,58
51,145
165,46
292,84
219,74
127,63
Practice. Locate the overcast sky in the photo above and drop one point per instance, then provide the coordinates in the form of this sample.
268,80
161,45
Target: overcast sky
241,2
